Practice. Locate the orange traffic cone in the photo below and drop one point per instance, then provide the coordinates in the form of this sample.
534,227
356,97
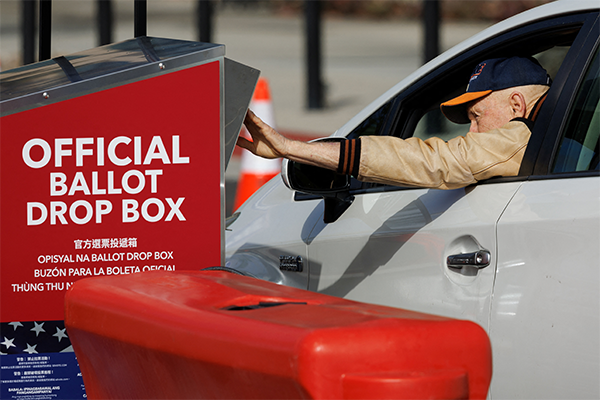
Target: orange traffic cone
256,171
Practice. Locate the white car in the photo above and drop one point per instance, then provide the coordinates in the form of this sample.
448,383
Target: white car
520,256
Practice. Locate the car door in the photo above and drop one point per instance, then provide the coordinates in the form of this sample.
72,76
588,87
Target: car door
392,245
545,322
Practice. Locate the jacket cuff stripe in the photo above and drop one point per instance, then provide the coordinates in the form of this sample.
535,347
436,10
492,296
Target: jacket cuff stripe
342,160
349,161
347,156
355,162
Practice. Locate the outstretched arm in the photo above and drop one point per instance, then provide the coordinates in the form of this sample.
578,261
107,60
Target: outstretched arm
268,143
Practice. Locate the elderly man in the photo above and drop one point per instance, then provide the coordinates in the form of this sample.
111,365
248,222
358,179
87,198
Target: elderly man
501,102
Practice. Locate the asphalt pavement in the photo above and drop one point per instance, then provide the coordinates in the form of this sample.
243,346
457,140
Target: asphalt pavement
362,58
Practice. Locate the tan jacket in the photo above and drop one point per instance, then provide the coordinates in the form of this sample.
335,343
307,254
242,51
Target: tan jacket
434,163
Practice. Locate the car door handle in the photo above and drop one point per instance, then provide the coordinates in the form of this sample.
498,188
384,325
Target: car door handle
479,259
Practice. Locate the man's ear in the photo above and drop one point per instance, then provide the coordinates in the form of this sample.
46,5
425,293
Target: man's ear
518,104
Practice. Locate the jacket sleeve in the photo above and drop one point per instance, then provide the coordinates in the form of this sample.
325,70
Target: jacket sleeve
434,163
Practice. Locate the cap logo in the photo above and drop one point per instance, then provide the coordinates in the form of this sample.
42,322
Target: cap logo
476,73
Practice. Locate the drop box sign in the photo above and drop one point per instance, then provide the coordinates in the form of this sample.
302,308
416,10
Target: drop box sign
114,182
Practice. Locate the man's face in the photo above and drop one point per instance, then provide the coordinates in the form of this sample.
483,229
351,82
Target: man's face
490,112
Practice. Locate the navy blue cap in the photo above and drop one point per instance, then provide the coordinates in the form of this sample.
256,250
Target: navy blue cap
495,74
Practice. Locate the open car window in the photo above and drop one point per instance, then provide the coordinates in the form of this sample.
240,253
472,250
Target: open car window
415,112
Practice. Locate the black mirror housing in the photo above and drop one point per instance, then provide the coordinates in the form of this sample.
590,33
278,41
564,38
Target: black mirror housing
313,180
322,182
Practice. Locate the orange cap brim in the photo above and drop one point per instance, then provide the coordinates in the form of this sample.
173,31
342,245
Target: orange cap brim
455,110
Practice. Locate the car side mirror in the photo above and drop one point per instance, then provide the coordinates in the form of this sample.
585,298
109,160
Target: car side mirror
334,188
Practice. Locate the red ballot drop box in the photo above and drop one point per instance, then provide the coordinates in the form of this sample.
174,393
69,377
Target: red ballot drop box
213,334
111,163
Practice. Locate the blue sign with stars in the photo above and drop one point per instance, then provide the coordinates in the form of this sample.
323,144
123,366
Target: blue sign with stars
37,362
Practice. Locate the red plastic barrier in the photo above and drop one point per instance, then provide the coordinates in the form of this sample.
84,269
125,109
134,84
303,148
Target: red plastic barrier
218,335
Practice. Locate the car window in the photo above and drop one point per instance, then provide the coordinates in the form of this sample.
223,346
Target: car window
415,112
578,150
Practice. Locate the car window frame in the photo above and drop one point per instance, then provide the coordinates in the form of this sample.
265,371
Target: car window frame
495,47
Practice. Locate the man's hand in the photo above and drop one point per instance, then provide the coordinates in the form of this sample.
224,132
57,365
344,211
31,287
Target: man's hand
266,142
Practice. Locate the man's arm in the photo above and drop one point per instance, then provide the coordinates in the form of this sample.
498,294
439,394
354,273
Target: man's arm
268,143
432,163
